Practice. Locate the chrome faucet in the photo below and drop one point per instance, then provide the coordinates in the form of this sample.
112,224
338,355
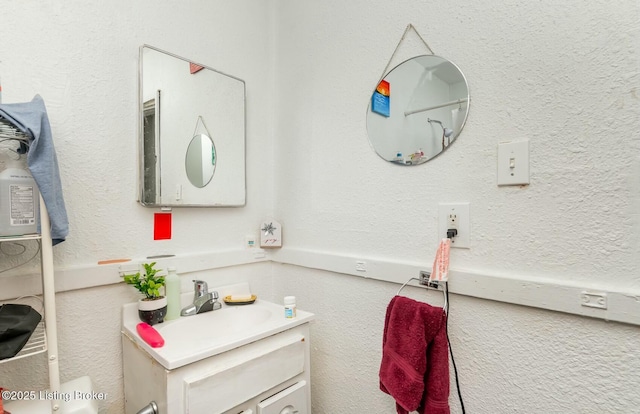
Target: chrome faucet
203,300
200,289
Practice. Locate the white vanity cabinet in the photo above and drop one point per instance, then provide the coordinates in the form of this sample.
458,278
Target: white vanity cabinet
268,373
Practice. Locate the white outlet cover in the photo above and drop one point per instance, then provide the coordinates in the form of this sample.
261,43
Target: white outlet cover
461,210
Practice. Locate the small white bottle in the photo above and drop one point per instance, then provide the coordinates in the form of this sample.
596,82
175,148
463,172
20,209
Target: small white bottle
289,307
172,291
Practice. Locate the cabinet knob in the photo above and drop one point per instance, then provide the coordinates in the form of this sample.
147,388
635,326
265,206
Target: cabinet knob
152,408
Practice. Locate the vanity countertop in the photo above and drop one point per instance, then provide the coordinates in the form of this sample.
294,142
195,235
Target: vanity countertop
192,338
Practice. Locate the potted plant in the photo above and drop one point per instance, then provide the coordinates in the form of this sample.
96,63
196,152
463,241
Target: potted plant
153,307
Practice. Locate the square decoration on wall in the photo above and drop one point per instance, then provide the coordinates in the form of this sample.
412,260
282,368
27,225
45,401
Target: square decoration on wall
270,234
162,226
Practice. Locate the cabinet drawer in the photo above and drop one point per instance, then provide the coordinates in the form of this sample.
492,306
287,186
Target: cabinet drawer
292,400
227,386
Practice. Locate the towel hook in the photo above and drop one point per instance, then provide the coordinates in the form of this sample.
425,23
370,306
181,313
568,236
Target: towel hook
424,281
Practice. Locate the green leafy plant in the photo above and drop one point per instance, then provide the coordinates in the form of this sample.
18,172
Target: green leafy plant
148,284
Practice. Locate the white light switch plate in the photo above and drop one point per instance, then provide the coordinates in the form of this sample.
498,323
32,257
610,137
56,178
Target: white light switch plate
513,163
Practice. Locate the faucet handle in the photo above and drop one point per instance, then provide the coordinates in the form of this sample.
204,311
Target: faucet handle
200,288
215,295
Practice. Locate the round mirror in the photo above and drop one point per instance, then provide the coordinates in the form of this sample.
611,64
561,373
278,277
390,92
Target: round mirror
418,110
200,161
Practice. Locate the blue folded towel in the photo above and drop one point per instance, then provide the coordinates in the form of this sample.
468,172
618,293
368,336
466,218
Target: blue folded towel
31,118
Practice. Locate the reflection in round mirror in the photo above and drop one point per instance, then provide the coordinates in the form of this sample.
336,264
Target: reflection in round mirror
200,161
418,110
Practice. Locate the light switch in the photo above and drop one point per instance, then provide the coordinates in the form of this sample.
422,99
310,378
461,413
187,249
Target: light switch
513,163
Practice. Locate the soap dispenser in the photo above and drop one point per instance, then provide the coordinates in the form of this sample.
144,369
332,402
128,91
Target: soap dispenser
172,291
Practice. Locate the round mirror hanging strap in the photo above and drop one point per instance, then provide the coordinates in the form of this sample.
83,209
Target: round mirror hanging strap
198,122
409,27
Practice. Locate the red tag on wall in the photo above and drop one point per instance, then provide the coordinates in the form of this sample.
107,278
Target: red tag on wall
161,226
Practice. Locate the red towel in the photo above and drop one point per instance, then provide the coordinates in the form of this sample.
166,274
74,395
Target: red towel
415,360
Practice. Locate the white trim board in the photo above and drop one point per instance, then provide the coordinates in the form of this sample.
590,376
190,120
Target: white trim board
623,304
88,276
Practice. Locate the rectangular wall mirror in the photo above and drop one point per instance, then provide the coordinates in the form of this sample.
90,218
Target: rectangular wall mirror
192,133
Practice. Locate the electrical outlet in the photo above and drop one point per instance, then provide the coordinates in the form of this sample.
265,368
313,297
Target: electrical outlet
361,266
594,300
453,223
250,242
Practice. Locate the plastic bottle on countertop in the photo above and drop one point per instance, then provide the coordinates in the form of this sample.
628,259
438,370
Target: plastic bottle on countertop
172,291
289,307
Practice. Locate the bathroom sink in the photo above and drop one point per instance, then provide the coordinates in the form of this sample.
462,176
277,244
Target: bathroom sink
215,325
192,338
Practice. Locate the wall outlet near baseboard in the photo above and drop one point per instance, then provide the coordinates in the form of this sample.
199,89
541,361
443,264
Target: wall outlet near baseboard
453,223
594,300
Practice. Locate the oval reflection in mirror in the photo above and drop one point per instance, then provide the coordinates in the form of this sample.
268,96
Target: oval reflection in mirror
200,160
418,110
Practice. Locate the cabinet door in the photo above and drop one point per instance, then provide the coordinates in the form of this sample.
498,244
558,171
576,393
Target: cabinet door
292,400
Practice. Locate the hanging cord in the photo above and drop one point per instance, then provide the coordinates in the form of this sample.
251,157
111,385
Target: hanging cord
24,249
38,298
455,369
213,147
9,132
4,138
201,121
16,254
409,27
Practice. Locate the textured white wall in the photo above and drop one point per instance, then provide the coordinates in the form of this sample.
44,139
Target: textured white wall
562,75
551,72
83,60
510,359
557,73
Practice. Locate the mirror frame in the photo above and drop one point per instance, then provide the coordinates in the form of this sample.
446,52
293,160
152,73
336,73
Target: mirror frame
142,109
